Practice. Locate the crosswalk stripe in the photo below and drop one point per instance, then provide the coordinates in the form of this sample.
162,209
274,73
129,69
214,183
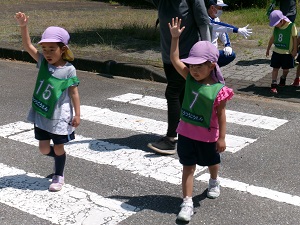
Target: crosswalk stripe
246,119
165,169
28,192
254,190
144,125
136,161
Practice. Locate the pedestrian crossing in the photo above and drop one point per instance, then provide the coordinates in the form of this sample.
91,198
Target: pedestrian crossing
79,206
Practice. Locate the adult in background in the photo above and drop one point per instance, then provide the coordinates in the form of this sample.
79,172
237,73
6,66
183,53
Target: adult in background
196,21
227,55
220,31
287,7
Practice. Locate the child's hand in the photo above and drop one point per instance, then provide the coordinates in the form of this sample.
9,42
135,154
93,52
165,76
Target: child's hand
75,121
294,53
175,27
221,145
22,19
267,53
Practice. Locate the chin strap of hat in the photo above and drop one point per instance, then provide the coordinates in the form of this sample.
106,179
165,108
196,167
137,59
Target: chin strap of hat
215,72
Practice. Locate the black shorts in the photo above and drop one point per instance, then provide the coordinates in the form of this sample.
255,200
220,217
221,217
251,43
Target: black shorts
192,152
57,139
284,61
298,57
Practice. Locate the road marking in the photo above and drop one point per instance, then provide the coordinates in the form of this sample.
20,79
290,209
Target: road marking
29,193
144,125
136,161
165,169
254,190
246,119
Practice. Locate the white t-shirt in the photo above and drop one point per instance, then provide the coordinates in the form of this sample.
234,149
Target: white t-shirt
63,112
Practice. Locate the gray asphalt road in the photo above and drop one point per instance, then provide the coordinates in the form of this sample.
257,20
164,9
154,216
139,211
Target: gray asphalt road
260,180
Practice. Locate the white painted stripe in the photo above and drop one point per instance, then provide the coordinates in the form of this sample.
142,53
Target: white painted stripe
246,119
136,161
28,192
14,128
258,121
142,100
120,120
255,190
236,143
145,125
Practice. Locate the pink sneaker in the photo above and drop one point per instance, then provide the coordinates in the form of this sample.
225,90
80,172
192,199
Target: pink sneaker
296,82
57,183
274,88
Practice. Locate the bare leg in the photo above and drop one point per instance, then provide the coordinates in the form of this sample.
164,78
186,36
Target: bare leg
188,180
275,74
213,170
44,147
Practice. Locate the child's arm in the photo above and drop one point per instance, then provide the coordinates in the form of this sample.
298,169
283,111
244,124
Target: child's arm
221,144
175,30
295,46
74,94
23,23
271,41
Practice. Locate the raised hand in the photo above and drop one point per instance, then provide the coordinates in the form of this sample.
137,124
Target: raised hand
22,19
175,27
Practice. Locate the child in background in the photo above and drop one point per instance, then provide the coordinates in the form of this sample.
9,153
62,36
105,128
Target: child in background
55,91
297,79
284,38
202,128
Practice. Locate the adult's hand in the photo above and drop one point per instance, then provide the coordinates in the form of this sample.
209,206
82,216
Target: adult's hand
245,31
227,51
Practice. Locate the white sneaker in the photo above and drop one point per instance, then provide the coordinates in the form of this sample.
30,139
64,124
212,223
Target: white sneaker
213,190
186,212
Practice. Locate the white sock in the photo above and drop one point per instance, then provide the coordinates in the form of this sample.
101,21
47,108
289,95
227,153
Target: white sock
188,199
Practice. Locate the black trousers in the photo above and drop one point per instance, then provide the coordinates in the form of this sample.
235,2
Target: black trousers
174,95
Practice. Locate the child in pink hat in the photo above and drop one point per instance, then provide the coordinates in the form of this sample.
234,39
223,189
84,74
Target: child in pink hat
55,95
284,38
202,128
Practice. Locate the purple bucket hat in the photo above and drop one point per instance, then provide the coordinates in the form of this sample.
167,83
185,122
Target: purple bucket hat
204,51
58,34
275,17
201,52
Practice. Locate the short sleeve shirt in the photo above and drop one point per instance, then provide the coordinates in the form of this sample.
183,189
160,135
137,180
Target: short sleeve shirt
63,113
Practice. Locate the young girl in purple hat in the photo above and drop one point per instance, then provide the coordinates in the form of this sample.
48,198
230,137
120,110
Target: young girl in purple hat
54,96
284,38
202,128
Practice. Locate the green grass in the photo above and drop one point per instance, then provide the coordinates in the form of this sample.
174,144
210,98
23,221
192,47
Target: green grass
112,31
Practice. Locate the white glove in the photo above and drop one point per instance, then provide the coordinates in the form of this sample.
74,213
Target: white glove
245,31
227,51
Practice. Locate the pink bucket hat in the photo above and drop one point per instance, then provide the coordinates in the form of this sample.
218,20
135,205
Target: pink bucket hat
202,52
275,17
58,34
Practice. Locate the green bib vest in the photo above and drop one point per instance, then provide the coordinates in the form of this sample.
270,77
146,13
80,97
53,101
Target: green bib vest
282,37
48,90
197,107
